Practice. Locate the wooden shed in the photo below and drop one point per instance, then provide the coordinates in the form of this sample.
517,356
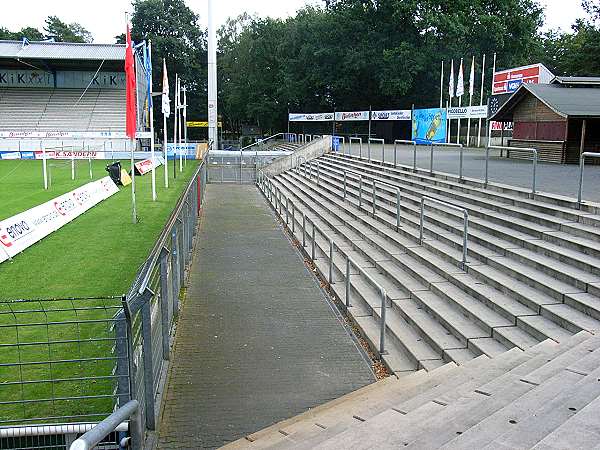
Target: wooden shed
560,120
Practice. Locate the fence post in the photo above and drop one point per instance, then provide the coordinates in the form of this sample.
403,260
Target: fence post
345,184
175,269
287,208
303,230
414,156
360,191
465,238
487,163
397,208
422,220
125,378
164,302
431,160
147,358
312,252
374,197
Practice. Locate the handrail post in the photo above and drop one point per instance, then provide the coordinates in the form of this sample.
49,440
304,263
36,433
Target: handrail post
383,314
369,149
422,220
330,261
460,168
303,230
397,209
318,173
395,153
487,164
360,183
312,252
383,151
287,215
414,156
581,167
348,282
431,161
345,183
374,197
465,238
293,218
535,160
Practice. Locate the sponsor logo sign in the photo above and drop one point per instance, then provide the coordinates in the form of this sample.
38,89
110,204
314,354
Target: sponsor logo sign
195,124
429,125
497,126
19,232
508,81
71,135
68,154
146,166
466,112
351,116
310,117
11,155
403,114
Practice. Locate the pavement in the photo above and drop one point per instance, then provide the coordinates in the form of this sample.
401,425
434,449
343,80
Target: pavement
257,340
562,179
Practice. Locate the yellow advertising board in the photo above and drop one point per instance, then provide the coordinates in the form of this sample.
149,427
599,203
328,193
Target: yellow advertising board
201,124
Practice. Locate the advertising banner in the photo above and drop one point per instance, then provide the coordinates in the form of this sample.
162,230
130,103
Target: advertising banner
429,125
196,124
351,116
466,112
146,166
71,135
69,154
19,232
497,126
316,117
508,81
402,114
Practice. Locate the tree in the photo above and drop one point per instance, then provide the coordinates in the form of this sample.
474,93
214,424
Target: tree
63,32
173,29
33,34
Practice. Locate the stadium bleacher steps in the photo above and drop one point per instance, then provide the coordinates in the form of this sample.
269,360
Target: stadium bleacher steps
546,397
532,281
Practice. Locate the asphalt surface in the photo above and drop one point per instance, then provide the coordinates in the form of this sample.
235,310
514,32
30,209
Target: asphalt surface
562,179
257,341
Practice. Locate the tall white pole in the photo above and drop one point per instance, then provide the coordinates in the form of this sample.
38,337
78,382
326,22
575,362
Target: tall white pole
185,123
471,87
212,79
152,127
442,87
175,130
179,111
489,121
481,100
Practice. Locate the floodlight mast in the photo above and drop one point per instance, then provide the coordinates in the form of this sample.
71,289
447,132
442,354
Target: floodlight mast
213,135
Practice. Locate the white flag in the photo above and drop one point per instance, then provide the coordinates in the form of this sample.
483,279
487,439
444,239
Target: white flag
451,84
460,83
472,78
166,103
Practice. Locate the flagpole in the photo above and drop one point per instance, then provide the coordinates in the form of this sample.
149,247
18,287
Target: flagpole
481,100
451,96
471,86
179,110
489,121
442,87
185,123
460,99
152,126
175,131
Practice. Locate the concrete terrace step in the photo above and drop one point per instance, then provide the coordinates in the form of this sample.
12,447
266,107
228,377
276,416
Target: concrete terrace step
571,212
529,296
455,323
495,236
547,221
451,349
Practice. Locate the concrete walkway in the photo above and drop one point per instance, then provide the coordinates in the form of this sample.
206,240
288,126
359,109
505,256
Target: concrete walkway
257,341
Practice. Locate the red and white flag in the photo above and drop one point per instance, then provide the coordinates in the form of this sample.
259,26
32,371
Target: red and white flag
130,84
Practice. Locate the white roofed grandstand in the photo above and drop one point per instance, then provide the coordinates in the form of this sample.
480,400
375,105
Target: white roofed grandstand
47,86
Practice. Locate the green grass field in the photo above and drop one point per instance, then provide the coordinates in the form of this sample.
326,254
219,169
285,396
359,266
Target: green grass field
98,254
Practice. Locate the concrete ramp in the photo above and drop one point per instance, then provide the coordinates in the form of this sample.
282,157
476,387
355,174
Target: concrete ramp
257,341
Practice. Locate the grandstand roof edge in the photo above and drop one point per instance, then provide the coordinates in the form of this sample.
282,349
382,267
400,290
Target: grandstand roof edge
62,51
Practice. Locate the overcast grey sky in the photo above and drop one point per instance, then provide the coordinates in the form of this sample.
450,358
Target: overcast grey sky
105,18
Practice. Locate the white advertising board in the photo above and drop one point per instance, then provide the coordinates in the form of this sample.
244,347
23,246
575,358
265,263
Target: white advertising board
146,166
466,112
310,117
19,232
71,135
402,114
351,116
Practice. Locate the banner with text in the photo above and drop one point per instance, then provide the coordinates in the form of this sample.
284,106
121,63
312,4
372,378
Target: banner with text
402,114
146,166
71,135
19,232
316,117
466,112
351,116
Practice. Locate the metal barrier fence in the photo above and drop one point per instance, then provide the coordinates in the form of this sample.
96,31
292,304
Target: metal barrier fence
581,169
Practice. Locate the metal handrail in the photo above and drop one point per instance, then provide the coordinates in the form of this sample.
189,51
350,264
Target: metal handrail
525,149
402,141
369,147
349,262
425,199
374,183
446,144
581,167
355,139
93,437
262,141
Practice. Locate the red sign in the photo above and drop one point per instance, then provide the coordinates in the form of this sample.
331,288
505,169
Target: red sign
507,81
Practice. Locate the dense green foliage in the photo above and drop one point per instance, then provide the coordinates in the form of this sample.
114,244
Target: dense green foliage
55,29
